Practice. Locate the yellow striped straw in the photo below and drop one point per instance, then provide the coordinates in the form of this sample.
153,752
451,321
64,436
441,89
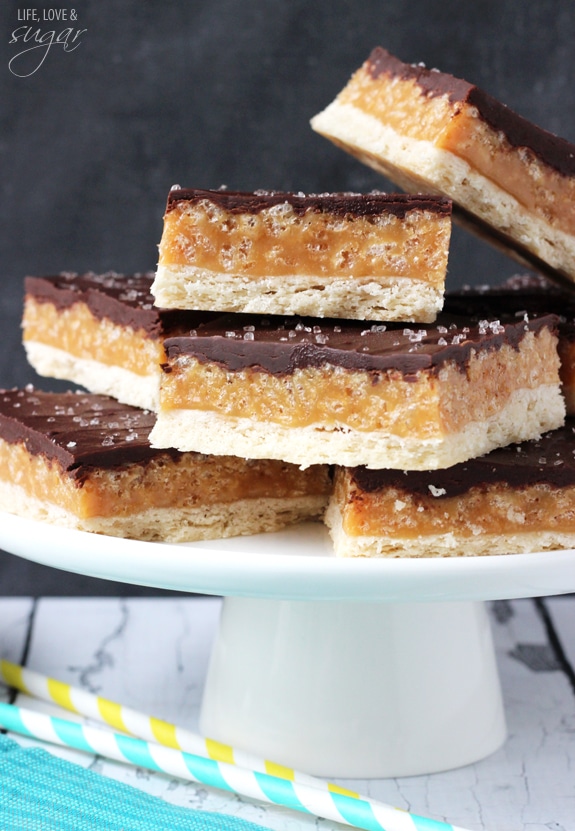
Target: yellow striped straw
149,728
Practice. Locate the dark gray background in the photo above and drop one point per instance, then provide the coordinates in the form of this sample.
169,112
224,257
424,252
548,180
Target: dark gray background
209,93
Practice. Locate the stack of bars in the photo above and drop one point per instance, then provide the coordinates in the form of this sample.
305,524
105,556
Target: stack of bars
297,357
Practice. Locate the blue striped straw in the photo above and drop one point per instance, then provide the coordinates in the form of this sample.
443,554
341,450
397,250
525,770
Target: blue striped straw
299,796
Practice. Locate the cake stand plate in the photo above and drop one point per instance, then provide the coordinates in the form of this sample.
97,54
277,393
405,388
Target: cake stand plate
342,668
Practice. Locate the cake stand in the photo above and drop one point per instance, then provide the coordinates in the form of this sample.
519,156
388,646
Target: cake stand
338,667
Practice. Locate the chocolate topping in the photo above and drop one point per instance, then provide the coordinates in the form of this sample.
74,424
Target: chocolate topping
432,82
520,295
279,345
548,461
126,300
341,204
79,431
554,151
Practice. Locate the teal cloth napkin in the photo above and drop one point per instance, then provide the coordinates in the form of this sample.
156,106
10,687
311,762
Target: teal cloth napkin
40,792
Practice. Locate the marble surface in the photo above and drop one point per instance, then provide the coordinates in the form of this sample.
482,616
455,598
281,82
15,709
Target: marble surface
152,654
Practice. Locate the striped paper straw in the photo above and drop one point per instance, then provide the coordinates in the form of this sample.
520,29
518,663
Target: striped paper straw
357,812
141,725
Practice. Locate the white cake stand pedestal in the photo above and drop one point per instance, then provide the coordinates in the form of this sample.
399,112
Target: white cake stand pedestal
367,690
343,668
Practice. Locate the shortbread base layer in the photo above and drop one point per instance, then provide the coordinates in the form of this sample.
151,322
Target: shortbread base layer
116,381
441,545
174,525
367,298
418,165
527,414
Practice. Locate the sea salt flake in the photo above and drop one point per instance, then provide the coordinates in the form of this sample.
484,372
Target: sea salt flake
496,327
436,491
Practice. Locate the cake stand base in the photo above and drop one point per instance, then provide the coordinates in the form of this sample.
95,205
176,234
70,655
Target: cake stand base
355,690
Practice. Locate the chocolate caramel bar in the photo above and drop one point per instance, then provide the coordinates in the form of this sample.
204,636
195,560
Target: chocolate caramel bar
510,181
101,331
84,461
361,256
313,391
515,499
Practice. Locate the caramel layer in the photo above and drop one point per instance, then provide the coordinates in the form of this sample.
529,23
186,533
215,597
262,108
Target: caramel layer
76,331
427,405
542,190
329,396
192,481
281,240
392,100
42,479
497,509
